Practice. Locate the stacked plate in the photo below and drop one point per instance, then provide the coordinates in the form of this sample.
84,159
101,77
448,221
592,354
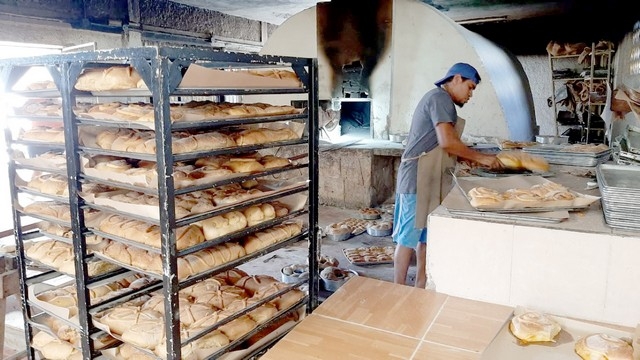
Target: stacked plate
620,190
562,155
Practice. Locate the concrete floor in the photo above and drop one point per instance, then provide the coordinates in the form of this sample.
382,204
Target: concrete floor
269,264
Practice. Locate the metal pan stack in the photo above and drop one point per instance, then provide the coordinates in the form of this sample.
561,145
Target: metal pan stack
560,155
620,190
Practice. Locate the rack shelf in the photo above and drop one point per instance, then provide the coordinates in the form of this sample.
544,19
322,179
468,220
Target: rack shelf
602,57
162,70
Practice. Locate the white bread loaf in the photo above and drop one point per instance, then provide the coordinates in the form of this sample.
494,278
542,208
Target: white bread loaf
206,259
260,315
262,239
533,326
147,335
112,78
233,329
223,224
128,352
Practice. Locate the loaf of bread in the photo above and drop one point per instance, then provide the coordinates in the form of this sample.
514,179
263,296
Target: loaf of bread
233,329
243,165
128,352
223,224
149,234
52,184
518,160
54,349
283,301
59,255
121,318
251,284
43,134
262,239
231,276
602,346
198,262
272,162
263,136
40,107
219,299
533,326
256,214
112,78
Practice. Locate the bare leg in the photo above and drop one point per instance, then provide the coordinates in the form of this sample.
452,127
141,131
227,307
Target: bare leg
421,266
401,260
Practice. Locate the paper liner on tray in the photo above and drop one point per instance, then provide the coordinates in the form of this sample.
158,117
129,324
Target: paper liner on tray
150,180
88,134
501,185
151,211
44,162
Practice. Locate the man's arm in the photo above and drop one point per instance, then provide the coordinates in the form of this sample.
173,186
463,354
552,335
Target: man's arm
449,142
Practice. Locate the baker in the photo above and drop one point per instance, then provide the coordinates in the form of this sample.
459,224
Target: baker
423,176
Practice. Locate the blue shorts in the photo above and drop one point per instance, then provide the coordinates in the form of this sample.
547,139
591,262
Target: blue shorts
404,220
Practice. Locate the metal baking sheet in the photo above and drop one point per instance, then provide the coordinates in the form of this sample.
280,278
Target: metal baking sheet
561,149
551,217
45,93
366,263
619,177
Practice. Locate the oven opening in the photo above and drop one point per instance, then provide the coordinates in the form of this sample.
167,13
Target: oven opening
355,118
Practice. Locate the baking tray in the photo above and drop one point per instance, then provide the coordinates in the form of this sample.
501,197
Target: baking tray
633,138
46,93
366,263
373,232
554,154
619,178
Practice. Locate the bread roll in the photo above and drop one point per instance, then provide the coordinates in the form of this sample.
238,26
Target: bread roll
112,78
128,352
52,184
54,349
219,299
603,346
206,285
149,234
532,327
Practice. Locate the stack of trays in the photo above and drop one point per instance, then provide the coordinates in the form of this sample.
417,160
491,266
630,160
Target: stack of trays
620,191
558,154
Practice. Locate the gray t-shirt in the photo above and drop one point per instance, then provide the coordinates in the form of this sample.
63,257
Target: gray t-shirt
436,106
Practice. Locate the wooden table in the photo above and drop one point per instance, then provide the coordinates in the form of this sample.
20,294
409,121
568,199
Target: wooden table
373,319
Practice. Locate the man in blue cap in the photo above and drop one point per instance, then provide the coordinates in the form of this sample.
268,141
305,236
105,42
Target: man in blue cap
432,145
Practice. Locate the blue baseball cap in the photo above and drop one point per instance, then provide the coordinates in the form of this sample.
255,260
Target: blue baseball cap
465,70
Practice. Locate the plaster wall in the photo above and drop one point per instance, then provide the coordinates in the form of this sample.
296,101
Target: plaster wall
61,35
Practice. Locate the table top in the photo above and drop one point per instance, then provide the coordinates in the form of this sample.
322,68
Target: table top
373,319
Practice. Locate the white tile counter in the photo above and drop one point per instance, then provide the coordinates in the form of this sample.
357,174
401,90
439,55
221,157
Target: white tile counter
577,268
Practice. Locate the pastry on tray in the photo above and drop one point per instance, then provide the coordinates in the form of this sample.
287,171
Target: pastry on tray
533,326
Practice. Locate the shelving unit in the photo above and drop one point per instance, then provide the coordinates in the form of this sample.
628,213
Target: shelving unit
162,69
597,72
